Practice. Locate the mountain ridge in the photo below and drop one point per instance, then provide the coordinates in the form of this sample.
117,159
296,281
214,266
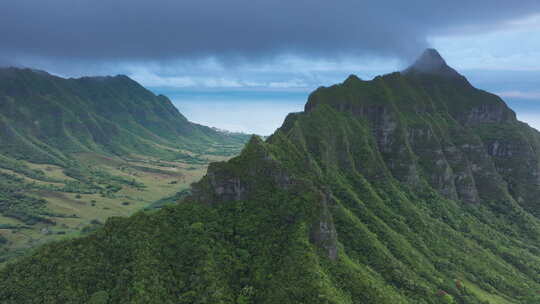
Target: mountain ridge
101,114
409,188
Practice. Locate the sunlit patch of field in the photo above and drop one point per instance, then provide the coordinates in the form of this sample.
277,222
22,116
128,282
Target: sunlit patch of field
31,180
50,171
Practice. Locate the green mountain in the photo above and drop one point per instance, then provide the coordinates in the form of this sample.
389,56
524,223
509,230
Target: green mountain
76,151
43,117
413,187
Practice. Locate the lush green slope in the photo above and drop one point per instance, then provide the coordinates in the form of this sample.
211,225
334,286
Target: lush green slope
42,117
53,129
382,191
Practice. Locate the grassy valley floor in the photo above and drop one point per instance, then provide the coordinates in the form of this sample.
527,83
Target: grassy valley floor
109,186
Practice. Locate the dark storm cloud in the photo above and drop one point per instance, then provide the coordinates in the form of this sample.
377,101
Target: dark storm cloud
97,30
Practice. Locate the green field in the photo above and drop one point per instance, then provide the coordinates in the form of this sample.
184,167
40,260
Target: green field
73,213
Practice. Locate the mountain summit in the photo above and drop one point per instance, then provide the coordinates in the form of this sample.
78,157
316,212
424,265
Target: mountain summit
431,62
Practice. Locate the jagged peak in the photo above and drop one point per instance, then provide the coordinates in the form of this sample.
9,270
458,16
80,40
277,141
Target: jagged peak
255,145
352,79
431,57
255,140
431,62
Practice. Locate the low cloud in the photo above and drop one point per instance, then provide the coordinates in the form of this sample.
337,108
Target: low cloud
534,95
209,82
239,117
89,31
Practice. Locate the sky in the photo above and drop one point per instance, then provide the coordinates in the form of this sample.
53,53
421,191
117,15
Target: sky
242,65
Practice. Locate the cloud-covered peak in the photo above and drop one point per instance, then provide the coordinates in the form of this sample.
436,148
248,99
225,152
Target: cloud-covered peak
430,59
431,62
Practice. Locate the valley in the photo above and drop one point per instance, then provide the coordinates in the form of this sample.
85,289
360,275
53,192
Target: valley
75,152
111,186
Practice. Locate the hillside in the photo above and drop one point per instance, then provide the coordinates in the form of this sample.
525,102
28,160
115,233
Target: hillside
413,187
43,117
74,152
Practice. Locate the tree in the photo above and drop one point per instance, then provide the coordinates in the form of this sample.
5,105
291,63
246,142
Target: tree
100,297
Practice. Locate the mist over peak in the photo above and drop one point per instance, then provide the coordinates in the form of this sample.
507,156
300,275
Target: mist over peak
431,62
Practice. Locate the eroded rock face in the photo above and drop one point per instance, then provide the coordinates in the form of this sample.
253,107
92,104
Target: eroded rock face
412,151
462,177
488,113
428,134
384,125
221,185
517,160
323,232
227,189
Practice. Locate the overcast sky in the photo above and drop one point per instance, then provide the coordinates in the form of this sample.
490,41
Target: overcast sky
243,64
